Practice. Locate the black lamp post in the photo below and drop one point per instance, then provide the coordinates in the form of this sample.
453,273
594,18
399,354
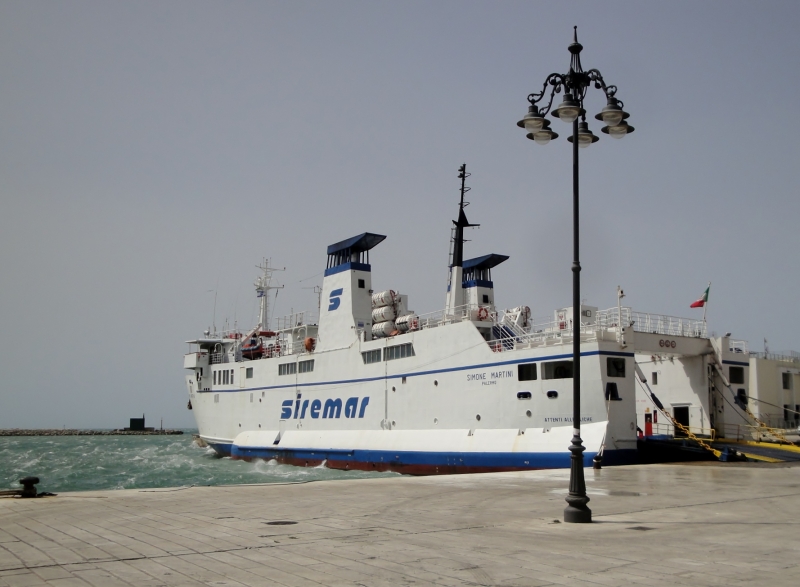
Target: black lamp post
575,84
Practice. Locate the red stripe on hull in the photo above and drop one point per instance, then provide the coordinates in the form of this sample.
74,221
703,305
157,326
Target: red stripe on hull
394,467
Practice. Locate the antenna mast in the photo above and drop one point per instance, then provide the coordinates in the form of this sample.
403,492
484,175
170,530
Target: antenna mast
263,285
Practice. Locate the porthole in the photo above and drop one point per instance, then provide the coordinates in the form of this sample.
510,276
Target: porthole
478,417
528,413
436,420
393,389
436,382
552,394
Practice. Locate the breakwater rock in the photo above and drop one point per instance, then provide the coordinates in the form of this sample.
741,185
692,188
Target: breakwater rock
76,432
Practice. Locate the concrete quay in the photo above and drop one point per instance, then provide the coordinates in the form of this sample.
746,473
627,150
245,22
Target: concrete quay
689,524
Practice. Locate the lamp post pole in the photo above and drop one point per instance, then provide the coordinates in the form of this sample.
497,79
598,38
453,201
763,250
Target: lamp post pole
575,84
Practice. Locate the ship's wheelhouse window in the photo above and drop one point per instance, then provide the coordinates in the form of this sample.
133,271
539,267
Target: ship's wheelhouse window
615,367
400,351
287,369
557,370
371,356
654,379
361,284
485,298
787,380
248,373
215,377
526,372
231,376
736,374
305,366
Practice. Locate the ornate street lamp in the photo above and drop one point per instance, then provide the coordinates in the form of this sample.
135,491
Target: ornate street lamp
575,84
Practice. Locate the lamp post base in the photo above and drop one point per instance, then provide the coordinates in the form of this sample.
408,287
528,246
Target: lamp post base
577,512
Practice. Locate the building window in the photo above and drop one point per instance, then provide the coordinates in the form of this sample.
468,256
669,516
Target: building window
787,380
736,375
655,378
361,284
371,356
786,409
248,374
557,370
400,351
797,412
305,366
287,369
615,367
526,372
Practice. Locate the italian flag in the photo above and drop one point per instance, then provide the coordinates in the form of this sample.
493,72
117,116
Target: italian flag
702,301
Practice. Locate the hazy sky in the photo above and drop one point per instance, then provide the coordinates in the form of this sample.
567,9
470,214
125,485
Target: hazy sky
153,152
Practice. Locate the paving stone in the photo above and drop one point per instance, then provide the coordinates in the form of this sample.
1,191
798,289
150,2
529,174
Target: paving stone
712,524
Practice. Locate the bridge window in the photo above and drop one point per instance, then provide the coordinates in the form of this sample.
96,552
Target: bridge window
736,374
400,351
615,367
526,372
306,366
371,356
248,374
557,370
287,369
361,284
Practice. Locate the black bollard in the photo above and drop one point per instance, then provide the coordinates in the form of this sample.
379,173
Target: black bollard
597,461
28,486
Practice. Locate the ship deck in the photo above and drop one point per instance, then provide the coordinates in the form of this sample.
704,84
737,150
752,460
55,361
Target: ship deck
685,524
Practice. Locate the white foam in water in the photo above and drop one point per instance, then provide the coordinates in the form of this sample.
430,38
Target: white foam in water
80,463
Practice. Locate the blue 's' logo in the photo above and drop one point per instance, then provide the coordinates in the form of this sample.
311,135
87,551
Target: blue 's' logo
335,299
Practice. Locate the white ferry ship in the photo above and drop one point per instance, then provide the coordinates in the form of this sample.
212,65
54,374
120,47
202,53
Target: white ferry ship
372,385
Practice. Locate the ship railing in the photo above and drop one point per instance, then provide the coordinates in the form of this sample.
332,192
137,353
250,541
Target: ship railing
668,429
737,346
539,332
753,432
294,320
787,356
218,358
474,312
652,323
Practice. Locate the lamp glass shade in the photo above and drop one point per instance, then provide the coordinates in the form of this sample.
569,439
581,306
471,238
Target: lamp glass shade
542,137
618,130
568,113
533,123
612,117
584,141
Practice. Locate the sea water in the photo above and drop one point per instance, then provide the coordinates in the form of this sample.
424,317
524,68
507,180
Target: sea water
82,463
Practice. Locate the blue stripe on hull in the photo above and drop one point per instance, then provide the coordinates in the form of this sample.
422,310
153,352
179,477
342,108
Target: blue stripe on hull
402,459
